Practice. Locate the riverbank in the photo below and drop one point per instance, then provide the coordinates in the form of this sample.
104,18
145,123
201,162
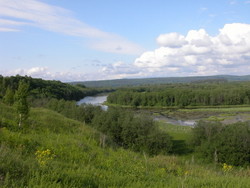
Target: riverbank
190,115
187,116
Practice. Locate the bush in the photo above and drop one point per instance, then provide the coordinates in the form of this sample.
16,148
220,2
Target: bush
223,143
138,133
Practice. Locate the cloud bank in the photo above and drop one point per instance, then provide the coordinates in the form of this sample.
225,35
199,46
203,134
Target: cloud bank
198,53
18,13
195,54
47,74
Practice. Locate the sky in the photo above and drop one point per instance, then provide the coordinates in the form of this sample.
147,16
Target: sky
84,40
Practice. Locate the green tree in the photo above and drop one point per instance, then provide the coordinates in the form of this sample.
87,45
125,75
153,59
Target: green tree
223,143
9,96
21,103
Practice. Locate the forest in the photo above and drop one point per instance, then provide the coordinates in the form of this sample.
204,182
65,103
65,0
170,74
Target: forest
47,140
160,80
39,88
183,95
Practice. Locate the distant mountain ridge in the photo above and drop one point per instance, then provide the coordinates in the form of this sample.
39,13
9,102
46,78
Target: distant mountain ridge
161,80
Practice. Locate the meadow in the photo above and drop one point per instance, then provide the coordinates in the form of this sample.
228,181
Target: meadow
51,150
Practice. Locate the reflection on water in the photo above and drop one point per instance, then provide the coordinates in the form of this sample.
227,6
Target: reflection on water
95,100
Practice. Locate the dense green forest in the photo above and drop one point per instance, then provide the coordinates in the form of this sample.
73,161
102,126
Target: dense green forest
181,95
39,88
61,144
161,80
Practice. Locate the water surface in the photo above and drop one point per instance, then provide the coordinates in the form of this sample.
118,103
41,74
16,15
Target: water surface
95,100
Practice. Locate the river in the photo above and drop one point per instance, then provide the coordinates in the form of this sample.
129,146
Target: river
95,100
100,99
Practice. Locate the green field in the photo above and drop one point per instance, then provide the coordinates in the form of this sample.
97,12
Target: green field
54,151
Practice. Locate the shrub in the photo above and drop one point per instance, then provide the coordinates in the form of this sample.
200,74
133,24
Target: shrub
228,144
136,132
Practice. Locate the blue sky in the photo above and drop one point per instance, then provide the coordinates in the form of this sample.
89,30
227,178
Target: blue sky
95,40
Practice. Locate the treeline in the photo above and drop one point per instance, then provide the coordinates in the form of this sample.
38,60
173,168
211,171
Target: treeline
181,95
162,80
39,88
219,143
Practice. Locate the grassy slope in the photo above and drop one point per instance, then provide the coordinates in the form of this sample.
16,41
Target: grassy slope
79,161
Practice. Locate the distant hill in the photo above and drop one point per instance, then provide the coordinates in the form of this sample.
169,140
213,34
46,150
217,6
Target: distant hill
161,80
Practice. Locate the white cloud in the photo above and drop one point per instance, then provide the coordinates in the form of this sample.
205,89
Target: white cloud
7,25
116,71
57,19
119,70
200,54
171,40
198,38
45,73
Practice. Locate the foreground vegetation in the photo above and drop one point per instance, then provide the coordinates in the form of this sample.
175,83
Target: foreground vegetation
54,151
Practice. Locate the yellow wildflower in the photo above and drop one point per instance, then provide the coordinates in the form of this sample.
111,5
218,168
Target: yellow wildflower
43,156
226,167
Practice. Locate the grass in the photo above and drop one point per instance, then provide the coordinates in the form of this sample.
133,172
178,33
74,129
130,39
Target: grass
77,160
178,132
180,135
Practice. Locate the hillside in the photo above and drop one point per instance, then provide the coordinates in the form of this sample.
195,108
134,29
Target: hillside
39,88
161,80
51,151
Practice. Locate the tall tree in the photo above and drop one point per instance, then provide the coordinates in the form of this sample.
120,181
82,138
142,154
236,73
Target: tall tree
21,103
9,96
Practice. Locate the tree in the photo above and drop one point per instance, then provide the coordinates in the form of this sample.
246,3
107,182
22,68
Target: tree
9,96
21,103
223,143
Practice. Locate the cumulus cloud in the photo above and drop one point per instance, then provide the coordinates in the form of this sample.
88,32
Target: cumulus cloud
16,13
198,53
171,40
113,71
120,70
46,73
